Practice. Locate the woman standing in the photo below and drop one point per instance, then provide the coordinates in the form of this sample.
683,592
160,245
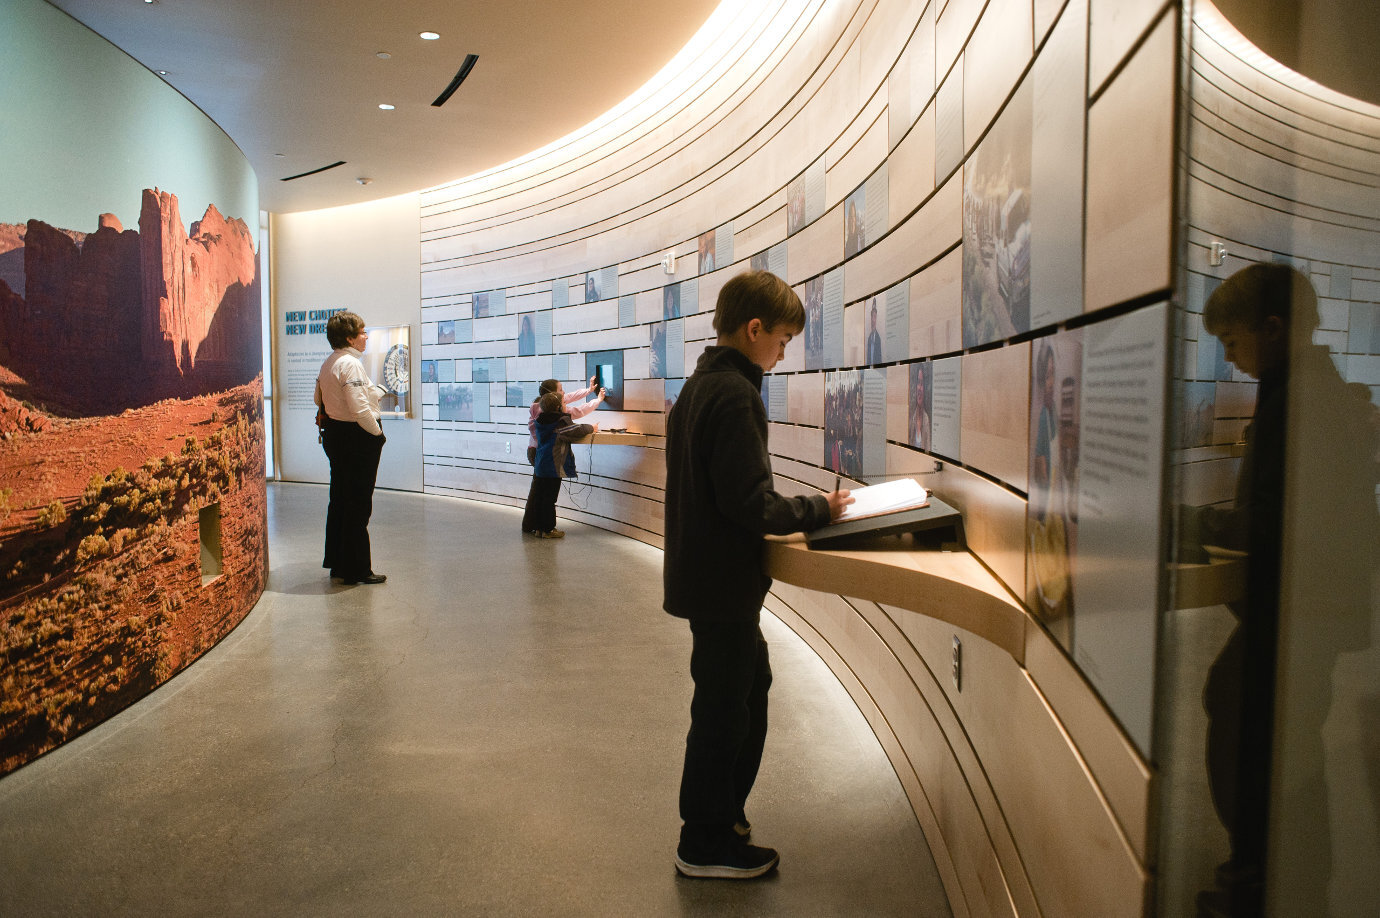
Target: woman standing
348,416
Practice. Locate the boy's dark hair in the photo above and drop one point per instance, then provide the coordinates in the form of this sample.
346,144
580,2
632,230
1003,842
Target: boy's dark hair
341,327
1259,291
758,295
551,403
548,385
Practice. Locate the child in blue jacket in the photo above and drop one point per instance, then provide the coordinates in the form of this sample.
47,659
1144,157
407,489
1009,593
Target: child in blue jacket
555,431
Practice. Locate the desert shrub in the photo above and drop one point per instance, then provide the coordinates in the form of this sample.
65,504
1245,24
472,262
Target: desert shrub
5,494
52,514
93,546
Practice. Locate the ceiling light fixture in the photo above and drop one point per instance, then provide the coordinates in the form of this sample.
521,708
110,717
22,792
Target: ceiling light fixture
386,107
161,72
430,36
383,55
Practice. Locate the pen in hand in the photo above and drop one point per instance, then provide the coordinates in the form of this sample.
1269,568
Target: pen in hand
838,480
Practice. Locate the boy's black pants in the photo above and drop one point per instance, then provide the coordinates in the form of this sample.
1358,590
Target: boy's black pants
540,513
728,726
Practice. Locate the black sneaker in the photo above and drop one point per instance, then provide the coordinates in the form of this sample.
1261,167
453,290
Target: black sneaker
739,861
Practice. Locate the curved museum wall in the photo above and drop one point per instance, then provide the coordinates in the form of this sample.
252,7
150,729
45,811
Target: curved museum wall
975,202
132,499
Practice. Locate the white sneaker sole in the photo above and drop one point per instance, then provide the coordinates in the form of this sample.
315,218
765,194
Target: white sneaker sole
724,871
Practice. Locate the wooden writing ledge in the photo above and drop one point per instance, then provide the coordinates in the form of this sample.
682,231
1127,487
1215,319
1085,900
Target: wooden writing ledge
602,438
950,586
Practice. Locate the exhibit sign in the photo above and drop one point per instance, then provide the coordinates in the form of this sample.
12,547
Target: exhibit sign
1116,568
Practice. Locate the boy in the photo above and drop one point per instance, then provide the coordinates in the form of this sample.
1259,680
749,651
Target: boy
553,461
576,411
719,504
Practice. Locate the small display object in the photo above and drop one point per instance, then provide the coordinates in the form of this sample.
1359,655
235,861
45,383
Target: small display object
387,360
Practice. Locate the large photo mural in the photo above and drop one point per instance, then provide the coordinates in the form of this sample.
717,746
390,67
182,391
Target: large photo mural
132,494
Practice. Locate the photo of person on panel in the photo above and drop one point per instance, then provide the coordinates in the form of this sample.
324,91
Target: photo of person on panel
657,358
527,337
707,252
843,422
920,406
854,233
874,335
670,301
996,229
814,324
795,205
1052,511
592,293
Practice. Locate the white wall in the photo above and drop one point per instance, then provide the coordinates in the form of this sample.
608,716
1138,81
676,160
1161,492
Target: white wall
363,258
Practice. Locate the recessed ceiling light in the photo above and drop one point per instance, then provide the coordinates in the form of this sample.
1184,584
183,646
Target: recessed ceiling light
386,107
431,36
161,72
383,55
280,154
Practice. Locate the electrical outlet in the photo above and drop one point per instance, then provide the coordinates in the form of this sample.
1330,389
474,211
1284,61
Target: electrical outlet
507,446
958,664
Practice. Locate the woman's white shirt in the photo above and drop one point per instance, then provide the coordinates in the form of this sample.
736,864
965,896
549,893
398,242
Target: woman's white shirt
345,391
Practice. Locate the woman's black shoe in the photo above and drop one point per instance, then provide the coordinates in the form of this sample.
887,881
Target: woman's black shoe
368,578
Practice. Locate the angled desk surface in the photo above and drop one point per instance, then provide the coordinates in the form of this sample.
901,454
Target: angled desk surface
951,586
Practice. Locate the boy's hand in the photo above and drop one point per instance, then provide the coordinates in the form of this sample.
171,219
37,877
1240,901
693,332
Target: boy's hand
837,501
595,425
602,394
591,382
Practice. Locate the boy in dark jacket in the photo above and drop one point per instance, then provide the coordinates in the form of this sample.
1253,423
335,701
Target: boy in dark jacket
719,504
555,431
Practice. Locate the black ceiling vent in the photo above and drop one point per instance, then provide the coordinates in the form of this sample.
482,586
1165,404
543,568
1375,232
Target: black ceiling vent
312,172
460,75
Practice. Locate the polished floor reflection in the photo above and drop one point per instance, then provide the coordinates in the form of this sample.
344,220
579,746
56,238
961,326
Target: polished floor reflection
497,730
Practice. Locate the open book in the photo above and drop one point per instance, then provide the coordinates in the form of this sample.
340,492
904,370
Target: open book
887,497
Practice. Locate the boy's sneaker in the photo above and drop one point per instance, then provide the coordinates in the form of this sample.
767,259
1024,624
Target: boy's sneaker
733,861
551,534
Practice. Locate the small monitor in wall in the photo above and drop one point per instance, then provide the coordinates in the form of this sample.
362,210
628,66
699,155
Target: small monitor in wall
607,369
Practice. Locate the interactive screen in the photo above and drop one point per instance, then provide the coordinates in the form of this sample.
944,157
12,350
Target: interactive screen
607,369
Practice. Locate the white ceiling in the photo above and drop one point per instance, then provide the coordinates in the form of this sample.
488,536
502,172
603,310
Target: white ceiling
297,83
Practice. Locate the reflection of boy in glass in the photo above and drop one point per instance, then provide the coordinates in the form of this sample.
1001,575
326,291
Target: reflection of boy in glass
1264,316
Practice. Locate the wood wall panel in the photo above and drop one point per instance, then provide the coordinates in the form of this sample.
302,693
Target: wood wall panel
936,307
1131,132
996,392
1114,27
997,55
910,176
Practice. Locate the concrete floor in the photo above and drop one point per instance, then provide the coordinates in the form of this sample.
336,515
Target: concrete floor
497,730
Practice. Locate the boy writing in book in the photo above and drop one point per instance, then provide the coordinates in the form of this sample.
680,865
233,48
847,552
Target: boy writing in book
720,503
